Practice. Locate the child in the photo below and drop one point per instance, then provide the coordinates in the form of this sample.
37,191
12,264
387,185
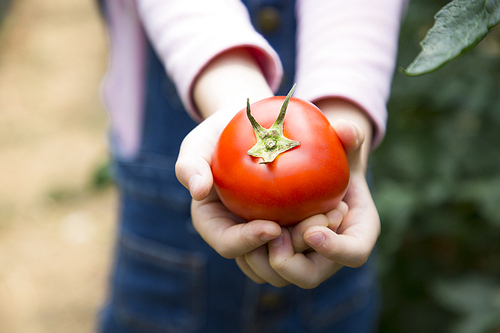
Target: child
173,64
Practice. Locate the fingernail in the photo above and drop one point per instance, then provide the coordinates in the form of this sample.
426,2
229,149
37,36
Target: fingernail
315,239
355,131
193,183
278,241
267,237
336,217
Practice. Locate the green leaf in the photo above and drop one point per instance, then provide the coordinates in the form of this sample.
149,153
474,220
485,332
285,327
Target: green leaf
458,27
476,297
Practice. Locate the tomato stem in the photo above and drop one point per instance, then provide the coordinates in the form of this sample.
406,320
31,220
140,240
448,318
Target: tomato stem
271,142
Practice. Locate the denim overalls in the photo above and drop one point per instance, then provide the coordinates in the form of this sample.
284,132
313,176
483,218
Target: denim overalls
165,278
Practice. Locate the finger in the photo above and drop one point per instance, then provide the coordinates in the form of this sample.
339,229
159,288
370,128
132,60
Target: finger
332,220
193,165
195,174
336,216
322,267
355,238
258,261
297,231
227,234
305,271
352,248
243,265
350,134
352,138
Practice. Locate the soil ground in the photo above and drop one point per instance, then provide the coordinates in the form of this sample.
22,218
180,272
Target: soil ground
56,230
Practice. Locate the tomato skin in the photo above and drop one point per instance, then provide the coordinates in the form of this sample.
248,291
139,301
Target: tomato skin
307,180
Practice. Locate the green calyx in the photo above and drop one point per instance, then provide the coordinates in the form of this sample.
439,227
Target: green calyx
271,142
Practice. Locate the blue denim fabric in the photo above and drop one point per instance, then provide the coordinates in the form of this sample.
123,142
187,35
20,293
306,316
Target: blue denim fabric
165,278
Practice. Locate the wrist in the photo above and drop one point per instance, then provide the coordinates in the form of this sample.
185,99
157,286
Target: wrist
227,81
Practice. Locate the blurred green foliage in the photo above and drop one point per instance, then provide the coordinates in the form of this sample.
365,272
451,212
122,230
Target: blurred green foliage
437,188
102,176
459,27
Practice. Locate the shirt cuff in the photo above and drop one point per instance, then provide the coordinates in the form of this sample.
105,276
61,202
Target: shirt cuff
188,34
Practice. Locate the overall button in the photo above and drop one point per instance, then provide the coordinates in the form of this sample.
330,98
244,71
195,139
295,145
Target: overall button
269,19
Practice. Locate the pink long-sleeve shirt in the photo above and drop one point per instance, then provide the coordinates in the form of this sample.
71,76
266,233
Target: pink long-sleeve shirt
345,49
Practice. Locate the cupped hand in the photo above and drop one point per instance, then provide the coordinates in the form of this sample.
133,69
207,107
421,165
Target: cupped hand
345,236
264,251
221,229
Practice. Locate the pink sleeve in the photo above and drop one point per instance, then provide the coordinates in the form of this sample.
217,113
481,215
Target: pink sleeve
347,49
187,34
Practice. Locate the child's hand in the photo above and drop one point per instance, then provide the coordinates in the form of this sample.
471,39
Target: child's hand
330,220
221,229
348,244
285,259
264,251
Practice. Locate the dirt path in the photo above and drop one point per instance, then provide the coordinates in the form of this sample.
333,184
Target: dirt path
55,232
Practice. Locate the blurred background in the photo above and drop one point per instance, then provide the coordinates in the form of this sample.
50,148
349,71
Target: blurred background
56,215
437,188
437,178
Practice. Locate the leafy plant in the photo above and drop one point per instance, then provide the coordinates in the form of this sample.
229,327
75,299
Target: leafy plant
437,188
459,27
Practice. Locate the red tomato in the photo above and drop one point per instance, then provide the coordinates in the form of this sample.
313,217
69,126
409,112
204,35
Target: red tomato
309,179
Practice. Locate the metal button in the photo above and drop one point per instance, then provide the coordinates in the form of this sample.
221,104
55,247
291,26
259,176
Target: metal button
269,19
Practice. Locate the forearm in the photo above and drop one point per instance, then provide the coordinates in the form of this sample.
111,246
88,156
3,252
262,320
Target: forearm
347,49
173,28
227,82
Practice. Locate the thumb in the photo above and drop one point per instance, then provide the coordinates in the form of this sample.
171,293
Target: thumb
193,163
352,138
350,134
193,166
195,174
